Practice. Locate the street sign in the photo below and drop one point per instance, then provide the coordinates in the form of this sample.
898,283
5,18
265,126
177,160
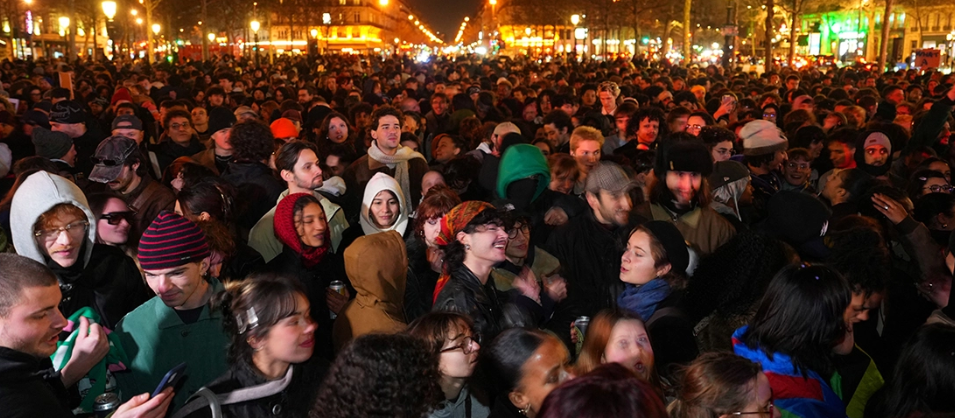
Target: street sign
928,58
730,30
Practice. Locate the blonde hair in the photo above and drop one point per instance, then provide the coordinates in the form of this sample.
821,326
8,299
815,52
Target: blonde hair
585,133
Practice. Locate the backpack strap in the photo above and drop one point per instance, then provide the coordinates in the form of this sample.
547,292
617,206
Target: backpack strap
154,161
663,312
199,400
205,397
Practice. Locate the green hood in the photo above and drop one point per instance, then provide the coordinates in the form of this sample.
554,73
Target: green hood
520,162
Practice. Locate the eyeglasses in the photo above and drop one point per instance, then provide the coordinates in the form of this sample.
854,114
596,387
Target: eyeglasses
114,218
769,115
803,166
694,127
467,345
178,126
524,229
767,410
74,229
939,188
726,151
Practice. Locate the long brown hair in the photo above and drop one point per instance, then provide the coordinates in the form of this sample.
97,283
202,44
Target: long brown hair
598,336
714,384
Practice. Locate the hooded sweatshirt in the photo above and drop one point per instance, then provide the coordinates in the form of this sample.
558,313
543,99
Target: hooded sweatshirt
103,277
377,267
522,161
38,194
378,183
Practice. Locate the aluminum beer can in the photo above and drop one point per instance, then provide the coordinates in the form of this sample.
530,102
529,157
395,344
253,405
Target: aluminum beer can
338,286
581,324
105,404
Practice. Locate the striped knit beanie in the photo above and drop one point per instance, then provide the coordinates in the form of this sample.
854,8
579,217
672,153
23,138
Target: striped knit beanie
171,241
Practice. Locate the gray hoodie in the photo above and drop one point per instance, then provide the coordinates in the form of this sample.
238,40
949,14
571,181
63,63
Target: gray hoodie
38,193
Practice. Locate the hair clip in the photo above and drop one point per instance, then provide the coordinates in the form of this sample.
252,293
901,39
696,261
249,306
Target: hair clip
250,321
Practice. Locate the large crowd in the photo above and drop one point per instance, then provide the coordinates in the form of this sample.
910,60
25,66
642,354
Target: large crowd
351,236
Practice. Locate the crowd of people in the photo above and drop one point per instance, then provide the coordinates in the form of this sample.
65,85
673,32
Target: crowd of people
351,236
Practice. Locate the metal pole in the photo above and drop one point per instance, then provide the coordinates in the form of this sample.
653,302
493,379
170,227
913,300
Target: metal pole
728,40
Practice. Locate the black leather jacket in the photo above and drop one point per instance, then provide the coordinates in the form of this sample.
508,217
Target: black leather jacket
491,310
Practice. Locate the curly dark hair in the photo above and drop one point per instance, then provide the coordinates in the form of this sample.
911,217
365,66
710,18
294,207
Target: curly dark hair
251,140
733,278
379,375
454,252
860,255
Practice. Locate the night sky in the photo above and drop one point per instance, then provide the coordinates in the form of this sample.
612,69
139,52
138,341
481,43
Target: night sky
445,16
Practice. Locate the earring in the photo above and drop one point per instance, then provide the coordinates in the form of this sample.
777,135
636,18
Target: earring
467,247
525,410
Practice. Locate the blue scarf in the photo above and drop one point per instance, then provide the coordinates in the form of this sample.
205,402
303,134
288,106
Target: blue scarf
643,299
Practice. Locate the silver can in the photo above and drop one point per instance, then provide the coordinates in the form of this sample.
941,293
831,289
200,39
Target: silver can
338,286
581,324
105,404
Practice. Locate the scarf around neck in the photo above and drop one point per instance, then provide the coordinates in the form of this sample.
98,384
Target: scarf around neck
643,299
397,162
287,233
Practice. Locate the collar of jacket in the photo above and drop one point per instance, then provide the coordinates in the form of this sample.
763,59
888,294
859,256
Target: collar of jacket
691,218
166,318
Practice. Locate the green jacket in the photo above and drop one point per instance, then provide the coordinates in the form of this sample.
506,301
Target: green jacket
156,340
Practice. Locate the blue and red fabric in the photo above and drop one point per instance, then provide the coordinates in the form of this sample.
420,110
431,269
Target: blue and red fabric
795,395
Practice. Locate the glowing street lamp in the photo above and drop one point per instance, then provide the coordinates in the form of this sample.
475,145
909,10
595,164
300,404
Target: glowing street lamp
383,3
212,37
156,29
254,25
109,9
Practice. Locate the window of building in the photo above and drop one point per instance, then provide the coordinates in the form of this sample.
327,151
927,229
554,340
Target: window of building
357,17
342,2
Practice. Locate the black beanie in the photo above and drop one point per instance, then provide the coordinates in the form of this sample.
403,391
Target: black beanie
673,243
690,156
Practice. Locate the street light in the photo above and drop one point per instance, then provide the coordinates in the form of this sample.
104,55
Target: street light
575,19
156,28
254,25
109,9
212,37
383,3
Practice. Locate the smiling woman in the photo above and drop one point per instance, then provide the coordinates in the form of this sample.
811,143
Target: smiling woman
272,337
474,240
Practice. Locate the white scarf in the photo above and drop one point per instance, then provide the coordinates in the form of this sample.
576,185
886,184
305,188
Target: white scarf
397,162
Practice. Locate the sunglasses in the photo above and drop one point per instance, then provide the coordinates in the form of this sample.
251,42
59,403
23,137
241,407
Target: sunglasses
114,218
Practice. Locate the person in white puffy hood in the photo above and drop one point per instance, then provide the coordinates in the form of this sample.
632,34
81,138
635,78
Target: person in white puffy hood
383,208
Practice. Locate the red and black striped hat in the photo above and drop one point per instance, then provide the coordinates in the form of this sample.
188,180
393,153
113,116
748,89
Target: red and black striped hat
171,241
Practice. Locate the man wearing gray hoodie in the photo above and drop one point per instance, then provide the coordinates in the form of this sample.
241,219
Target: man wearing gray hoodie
51,223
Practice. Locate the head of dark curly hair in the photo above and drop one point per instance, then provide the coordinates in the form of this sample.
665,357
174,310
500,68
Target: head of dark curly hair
732,279
251,140
379,375
860,255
